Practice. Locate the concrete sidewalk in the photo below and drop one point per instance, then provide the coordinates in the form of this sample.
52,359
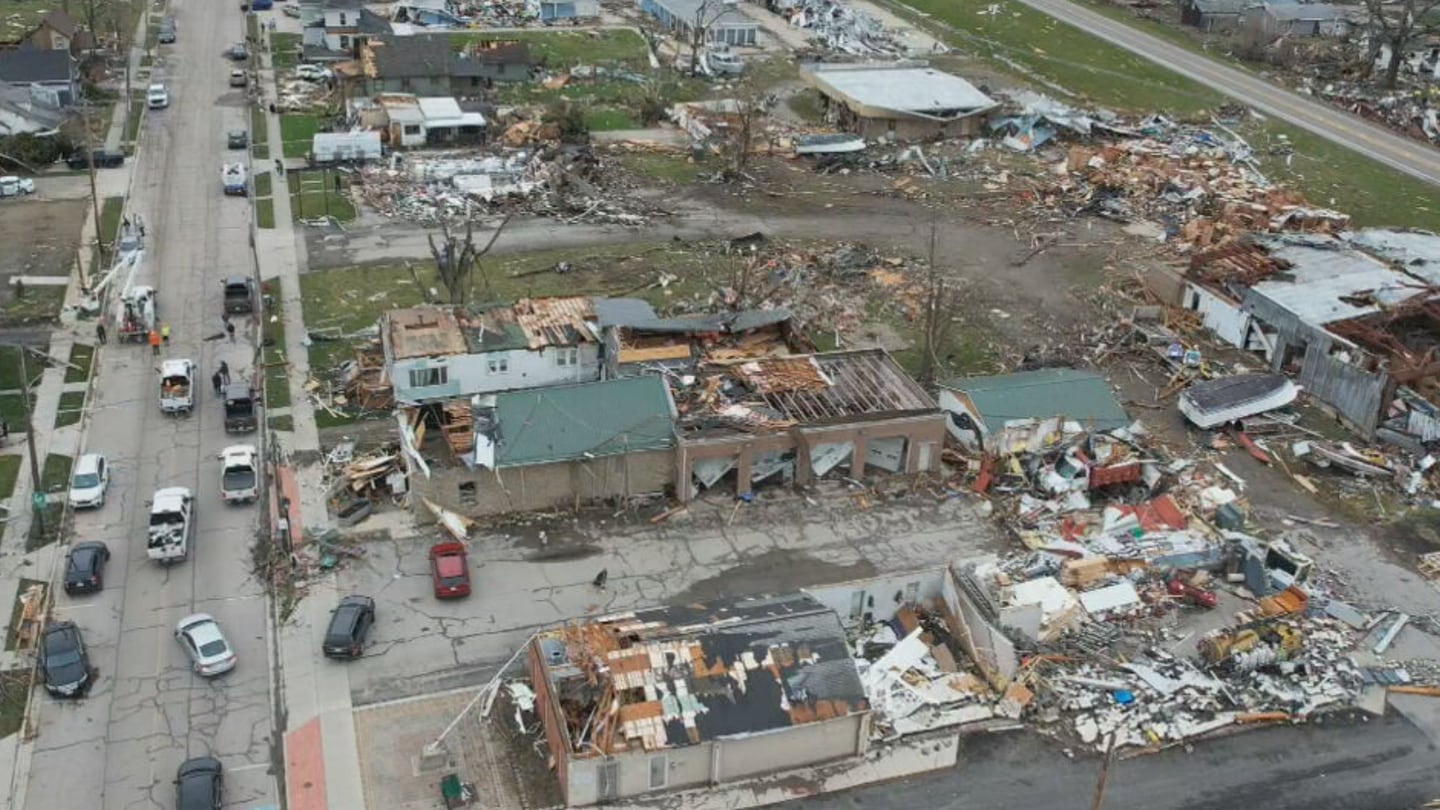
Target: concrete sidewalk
322,763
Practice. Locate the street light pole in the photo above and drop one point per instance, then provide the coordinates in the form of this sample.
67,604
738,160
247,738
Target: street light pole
38,515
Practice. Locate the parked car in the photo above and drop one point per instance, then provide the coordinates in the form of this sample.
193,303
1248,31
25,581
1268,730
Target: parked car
12,186
291,11
200,784
101,158
349,625
239,470
64,661
90,482
209,652
237,139
449,570
238,52
157,97
166,35
238,78
85,567
311,73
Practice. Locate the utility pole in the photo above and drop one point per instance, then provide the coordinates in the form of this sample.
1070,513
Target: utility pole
37,514
1099,800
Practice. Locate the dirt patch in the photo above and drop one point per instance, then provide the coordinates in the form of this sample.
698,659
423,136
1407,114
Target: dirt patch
37,238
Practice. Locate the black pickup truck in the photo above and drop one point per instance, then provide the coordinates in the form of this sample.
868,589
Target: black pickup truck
239,295
102,158
240,408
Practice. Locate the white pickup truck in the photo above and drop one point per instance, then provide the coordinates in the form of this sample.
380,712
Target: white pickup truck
172,521
177,386
232,180
239,478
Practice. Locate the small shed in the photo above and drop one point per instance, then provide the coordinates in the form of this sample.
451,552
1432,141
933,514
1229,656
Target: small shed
1002,412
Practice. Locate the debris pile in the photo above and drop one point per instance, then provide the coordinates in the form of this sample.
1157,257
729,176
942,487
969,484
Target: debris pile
836,27
565,183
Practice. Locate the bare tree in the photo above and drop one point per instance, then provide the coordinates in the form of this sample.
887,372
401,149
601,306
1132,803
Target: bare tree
1397,24
743,124
706,15
940,301
457,259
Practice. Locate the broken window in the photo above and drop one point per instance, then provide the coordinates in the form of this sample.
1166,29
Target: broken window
498,365
659,771
565,357
412,129
467,493
423,377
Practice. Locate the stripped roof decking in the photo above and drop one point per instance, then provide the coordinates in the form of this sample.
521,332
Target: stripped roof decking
425,332
862,383
555,321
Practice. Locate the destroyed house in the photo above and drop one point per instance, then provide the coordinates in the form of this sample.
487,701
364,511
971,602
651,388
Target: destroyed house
1359,335
1293,19
542,448
695,695
638,341
335,29
721,24
1213,16
899,102
1028,410
436,353
796,418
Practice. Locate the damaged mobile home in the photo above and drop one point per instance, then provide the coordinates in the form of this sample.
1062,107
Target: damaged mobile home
899,101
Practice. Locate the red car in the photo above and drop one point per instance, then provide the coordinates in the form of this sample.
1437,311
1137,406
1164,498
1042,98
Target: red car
449,570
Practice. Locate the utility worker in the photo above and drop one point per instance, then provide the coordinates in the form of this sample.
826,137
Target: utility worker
154,342
100,332
217,381
165,333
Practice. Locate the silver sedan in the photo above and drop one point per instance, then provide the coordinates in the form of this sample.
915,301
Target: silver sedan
201,637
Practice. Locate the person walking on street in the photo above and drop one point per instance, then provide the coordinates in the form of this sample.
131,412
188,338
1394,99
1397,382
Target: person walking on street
165,333
224,372
154,342
100,332
217,381
230,330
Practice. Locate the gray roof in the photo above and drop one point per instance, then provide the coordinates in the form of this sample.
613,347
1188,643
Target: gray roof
714,14
1308,11
373,24
923,91
343,5
1323,274
1082,396
429,55
1220,6
27,65
1416,252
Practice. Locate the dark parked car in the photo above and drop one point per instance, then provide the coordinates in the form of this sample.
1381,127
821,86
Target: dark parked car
349,624
237,139
102,159
64,661
199,784
85,567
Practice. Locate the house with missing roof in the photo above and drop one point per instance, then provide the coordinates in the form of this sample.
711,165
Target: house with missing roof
334,30
1292,19
900,101
51,76
1351,318
1028,410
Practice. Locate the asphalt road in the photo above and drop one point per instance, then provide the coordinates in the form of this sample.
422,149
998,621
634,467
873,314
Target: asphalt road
1412,157
118,748
1379,765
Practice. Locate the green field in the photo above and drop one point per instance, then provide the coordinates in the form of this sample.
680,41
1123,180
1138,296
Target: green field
297,133
313,194
563,50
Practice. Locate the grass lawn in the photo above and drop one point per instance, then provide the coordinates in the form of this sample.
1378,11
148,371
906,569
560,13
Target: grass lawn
9,474
25,585
272,351
14,697
325,419
111,210
297,132
260,151
12,410
284,50
601,93
286,422
40,305
252,25
265,213
82,356
312,194
55,475
10,367
259,131
72,407
562,50
676,168
262,184
54,518
602,119
137,115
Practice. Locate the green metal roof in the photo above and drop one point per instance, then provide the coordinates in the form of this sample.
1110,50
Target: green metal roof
570,422
1080,396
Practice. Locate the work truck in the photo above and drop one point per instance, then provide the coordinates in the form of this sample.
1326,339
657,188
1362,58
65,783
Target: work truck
177,386
239,476
172,522
240,406
136,316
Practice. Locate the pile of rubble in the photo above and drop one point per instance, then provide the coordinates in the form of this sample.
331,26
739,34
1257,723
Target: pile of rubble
834,26
1414,112
565,183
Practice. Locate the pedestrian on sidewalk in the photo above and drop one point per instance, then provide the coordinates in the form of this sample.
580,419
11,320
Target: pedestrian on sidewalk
100,332
230,330
217,381
140,224
154,342
224,372
165,333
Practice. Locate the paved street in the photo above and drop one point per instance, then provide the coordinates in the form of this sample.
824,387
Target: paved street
1398,152
119,747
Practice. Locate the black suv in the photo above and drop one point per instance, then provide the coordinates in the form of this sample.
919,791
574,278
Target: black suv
85,567
102,159
349,625
63,660
199,784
